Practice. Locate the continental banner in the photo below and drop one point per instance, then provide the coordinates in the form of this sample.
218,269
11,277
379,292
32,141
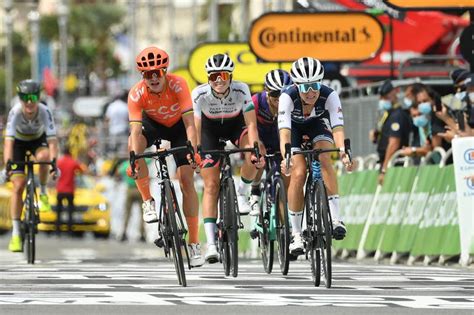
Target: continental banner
328,36
355,211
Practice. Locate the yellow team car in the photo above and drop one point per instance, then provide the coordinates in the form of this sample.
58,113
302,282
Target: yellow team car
91,214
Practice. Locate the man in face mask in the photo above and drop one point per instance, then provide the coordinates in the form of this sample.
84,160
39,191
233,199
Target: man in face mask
396,126
428,116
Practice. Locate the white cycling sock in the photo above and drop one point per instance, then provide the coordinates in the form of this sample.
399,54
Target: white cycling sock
334,207
244,186
210,228
295,218
16,224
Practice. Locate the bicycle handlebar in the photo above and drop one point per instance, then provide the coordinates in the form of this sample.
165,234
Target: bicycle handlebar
160,153
255,150
346,149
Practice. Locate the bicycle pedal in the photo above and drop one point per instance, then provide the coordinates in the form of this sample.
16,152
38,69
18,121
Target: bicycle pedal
254,234
159,242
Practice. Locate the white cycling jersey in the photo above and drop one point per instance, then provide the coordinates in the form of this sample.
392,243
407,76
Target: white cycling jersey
239,100
18,127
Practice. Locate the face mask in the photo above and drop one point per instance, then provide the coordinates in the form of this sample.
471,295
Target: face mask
420,121
471,97
424,108
460,95
385,104
407,103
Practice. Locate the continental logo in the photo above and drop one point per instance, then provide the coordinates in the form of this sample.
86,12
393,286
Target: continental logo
328,36
269,37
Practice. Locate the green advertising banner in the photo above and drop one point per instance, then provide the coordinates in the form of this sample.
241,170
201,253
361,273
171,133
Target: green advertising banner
397,210
356,211
448,217
415,208
428,238
391,185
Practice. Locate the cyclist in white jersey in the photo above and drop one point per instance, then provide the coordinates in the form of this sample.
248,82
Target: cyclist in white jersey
30,127
309,108
223,108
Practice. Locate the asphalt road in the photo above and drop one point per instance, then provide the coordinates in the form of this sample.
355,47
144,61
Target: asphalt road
78,276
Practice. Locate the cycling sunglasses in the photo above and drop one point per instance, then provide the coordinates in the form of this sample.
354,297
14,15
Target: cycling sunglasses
274,94
216,75
154,74
305,87
28,97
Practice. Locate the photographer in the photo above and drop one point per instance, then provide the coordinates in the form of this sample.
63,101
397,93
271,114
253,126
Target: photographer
462,108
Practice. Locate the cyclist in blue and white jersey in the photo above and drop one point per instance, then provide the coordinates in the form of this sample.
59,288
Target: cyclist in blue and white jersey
266,108
309,108
223,108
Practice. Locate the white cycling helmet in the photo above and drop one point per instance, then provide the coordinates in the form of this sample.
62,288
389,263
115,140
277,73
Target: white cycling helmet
307,70
219,62
276,80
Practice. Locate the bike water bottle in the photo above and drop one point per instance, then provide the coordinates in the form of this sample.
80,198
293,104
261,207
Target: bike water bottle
316,167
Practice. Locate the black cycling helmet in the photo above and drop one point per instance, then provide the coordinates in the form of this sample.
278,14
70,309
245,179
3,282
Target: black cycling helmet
28,87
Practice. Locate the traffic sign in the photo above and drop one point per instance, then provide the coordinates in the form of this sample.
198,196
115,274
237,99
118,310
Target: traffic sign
328,36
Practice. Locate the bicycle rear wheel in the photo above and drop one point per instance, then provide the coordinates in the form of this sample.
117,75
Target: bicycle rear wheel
230,221
324,235
266,245
282,226
222,237
176,240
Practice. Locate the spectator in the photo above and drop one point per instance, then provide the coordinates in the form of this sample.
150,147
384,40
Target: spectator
396,127
65,186
116,117
133,196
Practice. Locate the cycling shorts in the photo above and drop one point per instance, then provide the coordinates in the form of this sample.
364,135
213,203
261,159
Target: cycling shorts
20,147
317,129
211,130
176,134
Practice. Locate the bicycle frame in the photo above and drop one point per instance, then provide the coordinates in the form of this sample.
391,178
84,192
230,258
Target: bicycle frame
272,171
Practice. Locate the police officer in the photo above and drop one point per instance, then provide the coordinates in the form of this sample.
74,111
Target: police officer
396,127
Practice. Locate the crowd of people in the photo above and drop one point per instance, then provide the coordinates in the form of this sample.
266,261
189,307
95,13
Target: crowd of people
293,107
415,119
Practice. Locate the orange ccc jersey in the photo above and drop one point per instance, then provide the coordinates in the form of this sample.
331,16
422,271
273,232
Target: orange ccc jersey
166,108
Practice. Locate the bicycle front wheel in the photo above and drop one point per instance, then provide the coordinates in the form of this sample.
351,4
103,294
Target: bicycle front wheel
230,222
324,233
266,244
30,225
282,226
176,240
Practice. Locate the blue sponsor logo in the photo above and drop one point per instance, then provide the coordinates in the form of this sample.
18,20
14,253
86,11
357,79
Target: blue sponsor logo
470,183
469,156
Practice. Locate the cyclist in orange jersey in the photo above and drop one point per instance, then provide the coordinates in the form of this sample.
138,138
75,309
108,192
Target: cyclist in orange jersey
160,105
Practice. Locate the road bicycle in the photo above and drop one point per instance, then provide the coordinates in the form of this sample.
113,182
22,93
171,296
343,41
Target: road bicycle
319,233
171,227
30,215
228,222
272,223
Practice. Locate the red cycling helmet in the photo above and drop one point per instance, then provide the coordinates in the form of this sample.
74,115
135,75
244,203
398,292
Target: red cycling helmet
152,58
